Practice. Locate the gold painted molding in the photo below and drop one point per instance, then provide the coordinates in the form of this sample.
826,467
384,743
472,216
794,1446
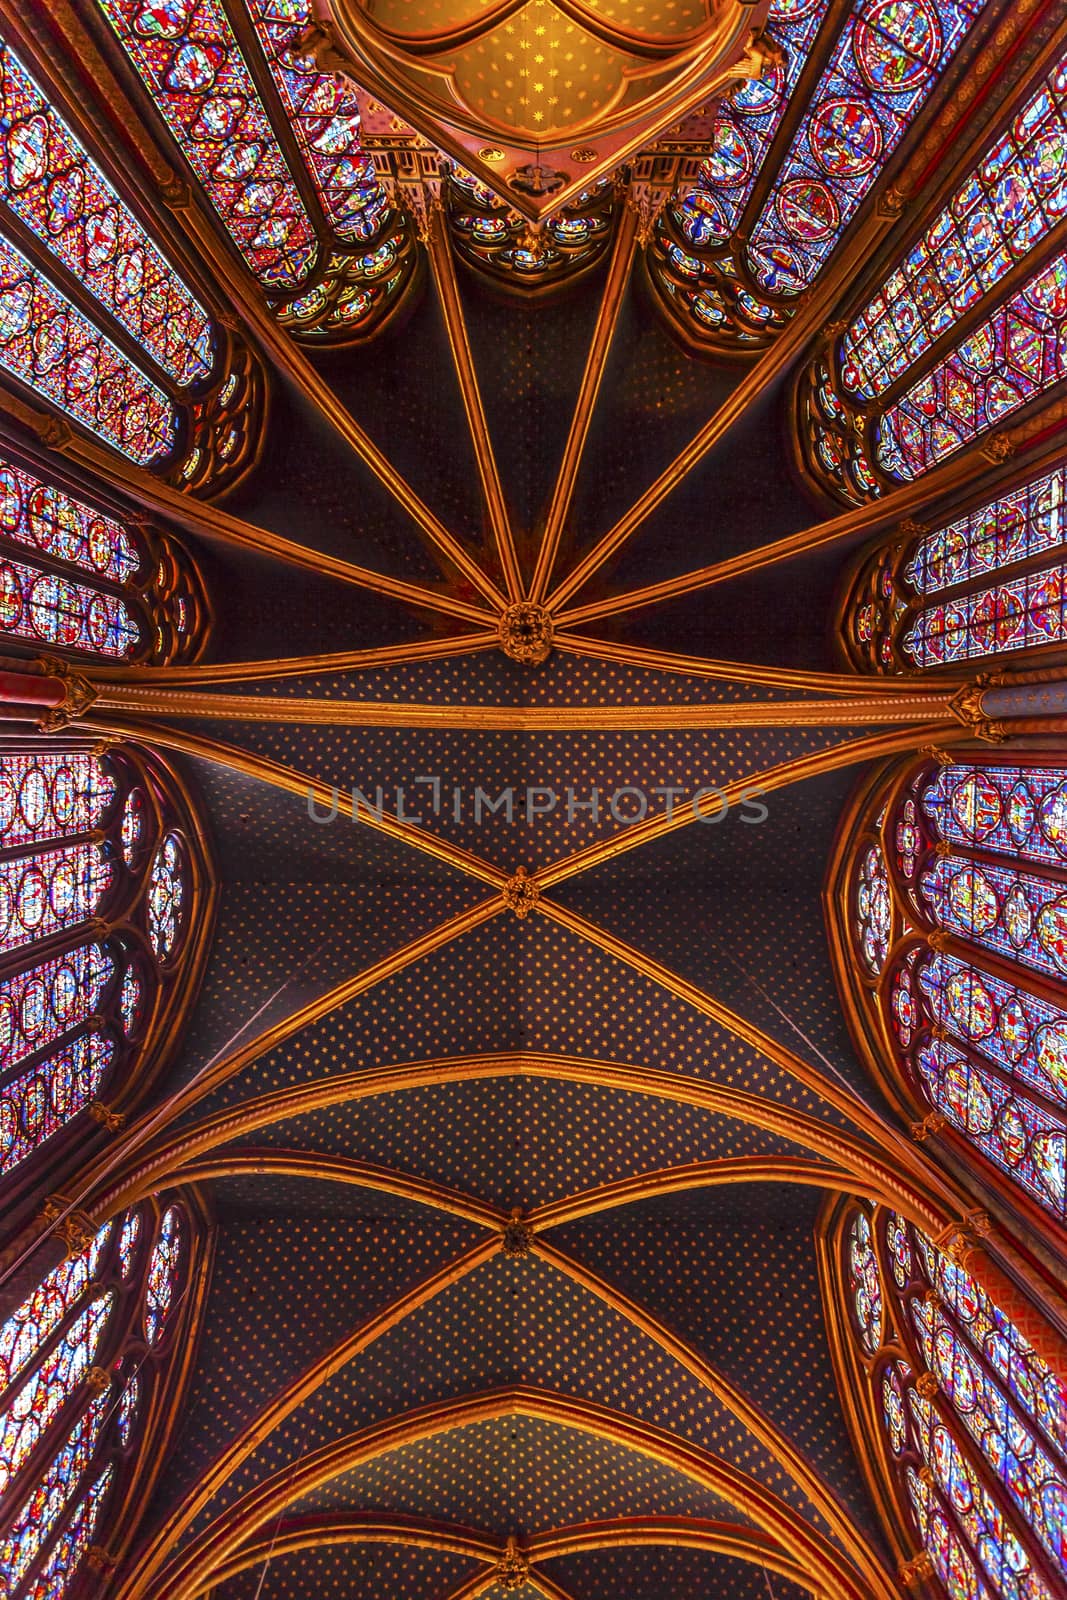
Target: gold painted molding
189,1572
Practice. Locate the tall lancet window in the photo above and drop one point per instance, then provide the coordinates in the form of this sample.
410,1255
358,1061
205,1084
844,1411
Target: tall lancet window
276,146
961,1426
86,1363
986,584
962,996
102,904
767,208
967,328
95,318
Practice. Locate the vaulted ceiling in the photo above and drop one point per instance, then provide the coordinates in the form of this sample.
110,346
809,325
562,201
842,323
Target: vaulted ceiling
516,1214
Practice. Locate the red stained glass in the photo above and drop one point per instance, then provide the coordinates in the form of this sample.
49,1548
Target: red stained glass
49,345
53,186
190,62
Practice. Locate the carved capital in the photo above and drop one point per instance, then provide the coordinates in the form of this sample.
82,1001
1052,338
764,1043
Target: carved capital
761,55
910,529
916,1571
75,1228
517,1237
98,1380
962,1241
79,696
53,432
933,1122
176,193
967,705
998,448
892,203
937,939
926,1385
521,893
525,633
113,1121
513,1568
934,752
318,44
97,1559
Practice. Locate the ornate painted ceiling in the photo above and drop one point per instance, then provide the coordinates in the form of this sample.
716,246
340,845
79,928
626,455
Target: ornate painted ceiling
513,550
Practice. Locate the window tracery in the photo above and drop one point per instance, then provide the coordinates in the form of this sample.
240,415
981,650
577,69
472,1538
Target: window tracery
275,145
96,320
966,1422
987,584
497,241
96,930
77,579
81,1378
741,245
964,998
952,342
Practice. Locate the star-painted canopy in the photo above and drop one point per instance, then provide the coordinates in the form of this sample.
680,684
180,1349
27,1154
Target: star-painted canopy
533,800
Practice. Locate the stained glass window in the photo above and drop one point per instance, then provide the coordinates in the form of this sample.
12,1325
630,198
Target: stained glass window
926,604
1017,353
998,213
162,1276
973,1420
76,579
888,58
1001,213
71,1014
47,343
979,1018
736,269
491,236
71,1426
53,186
194,70
285,168
325,118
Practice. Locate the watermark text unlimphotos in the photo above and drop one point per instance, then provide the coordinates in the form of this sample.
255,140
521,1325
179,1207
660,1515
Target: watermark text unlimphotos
428,795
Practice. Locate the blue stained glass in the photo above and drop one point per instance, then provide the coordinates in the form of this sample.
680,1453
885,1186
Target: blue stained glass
745,126
1002,209
37,1517
890,56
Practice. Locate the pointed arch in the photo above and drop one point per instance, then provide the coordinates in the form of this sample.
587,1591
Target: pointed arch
948,897
102,320
106,899
795,155
957,1422
286,174
92,1365
986,584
